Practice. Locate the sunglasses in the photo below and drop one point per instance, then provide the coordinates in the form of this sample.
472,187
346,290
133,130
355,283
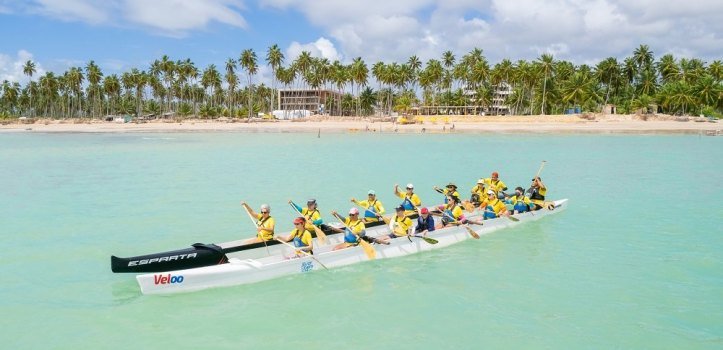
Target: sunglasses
264,212
353,214
298,223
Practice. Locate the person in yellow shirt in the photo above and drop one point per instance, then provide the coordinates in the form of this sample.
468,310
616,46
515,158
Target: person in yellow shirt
452,213
478,192
310,213
264,224
410,199
400,225
493,207
495,184
451,188
301,236
354,230
537,193
374,208
519,201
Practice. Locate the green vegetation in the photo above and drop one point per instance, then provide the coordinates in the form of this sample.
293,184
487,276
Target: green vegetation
542,86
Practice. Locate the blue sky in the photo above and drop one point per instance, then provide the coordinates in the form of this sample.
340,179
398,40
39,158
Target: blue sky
121,34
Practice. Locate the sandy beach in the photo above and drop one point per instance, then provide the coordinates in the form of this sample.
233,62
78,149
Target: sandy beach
625,124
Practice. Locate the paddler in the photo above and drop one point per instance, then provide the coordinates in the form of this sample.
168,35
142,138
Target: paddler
264,223
537,192
425,222
410,199
374,208
301,236
310,213
452,213
495,184
520,202
400,225
493,207
478,192
451,188
355,230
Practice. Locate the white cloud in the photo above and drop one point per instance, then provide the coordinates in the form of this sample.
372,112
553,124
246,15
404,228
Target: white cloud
577,30
11,67
169,17
320,48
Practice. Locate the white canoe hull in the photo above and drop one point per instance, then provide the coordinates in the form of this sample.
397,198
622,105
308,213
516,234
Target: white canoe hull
250,270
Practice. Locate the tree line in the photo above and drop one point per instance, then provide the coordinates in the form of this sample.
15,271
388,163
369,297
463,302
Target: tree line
540,86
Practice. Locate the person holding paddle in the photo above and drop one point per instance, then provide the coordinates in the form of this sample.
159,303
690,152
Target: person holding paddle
264,224
301,236
451,188
310,213
425,222
495,184
374,208
400,225
410,199
452,213
478,192
493,207
519,201
355,230
537,193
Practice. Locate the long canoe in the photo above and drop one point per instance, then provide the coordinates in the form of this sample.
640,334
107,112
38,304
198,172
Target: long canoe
239,271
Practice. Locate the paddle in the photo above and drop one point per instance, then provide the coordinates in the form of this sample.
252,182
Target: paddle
542,165
319,233
306,253
246,207
426,239
469,230
368,249
505,216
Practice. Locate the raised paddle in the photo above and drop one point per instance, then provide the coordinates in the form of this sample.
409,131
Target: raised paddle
542,165
246,208
368,249
317,230
307,254
469,230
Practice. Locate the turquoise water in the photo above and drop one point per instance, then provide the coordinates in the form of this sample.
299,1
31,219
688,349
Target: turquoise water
635,262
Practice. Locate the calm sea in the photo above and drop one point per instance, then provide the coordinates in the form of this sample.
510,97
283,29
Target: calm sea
636,262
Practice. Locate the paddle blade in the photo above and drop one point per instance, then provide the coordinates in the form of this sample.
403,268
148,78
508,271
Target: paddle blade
471,232
320,235
429,240
513,218
368,249
469,207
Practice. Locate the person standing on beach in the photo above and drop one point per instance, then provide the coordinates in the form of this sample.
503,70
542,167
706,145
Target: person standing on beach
425,222
450,189
310,213
410,199
495,184
264,224
374,208
354,230
301,236
537,193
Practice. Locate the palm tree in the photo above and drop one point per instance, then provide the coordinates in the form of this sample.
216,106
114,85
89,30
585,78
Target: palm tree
274,58
94,75
643,58
29,69
232,82
248,63
607,71
359,75
546,62
111,87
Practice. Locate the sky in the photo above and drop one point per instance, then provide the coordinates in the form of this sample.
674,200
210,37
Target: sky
122,34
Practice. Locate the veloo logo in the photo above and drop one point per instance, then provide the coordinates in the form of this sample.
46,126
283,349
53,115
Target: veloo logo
167,279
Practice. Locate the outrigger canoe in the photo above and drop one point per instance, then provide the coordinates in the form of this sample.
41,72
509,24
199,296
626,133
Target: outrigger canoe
239,271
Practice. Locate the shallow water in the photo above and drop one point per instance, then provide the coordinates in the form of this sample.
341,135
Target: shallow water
635,262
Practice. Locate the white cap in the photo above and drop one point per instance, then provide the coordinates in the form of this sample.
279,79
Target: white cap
372,193
410,185
265,207
490,192
353,211
481,181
